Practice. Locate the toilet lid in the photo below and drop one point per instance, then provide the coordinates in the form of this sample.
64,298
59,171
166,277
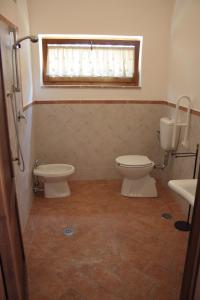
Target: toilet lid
134,160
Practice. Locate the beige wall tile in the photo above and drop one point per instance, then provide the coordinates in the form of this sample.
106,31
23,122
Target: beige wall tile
91,136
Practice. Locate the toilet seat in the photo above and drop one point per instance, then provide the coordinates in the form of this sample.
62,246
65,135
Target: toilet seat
134,161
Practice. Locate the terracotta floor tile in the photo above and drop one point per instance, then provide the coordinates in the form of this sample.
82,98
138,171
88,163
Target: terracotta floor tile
121,248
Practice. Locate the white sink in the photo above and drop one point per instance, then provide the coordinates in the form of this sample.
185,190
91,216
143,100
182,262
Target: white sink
185,188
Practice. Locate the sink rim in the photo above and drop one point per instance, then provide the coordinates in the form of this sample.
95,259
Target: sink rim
180,186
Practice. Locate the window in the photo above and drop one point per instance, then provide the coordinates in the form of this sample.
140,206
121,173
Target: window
90,62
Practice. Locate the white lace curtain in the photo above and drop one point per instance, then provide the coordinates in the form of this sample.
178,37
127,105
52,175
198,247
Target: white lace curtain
77,61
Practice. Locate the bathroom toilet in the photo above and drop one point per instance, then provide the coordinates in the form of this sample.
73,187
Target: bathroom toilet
137,182
136,168
54,177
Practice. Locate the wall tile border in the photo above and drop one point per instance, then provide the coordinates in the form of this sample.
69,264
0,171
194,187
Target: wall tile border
193,111
160,102
26,107
98,102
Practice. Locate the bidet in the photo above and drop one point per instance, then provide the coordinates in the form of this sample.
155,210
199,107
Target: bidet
54,177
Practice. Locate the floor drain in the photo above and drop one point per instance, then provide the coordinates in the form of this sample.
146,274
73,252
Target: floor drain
167,216
68,231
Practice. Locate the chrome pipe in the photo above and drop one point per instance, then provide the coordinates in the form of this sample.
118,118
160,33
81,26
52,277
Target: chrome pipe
32,38
163,165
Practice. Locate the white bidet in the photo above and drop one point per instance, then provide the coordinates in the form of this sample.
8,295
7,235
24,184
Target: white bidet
54,177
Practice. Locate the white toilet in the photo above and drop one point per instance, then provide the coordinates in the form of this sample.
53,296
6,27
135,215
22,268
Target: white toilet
136,168
137,182
54,177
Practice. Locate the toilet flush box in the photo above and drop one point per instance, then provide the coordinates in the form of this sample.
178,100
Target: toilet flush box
166,134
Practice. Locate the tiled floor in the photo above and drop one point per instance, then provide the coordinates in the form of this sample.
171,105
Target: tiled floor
121,248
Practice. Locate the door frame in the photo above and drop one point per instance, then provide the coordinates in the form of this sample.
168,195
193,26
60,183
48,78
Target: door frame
11,243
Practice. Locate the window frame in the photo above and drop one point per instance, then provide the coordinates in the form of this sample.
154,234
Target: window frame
91,81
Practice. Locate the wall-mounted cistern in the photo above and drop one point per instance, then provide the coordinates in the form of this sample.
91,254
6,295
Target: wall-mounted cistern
165,139
169,134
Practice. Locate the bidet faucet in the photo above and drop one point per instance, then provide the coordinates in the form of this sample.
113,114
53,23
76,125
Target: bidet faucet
36,163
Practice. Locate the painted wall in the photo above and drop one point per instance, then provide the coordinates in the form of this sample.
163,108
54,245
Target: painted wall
184,52
25,52
184,75
180,168
151,19
184,80
16,12
8,9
